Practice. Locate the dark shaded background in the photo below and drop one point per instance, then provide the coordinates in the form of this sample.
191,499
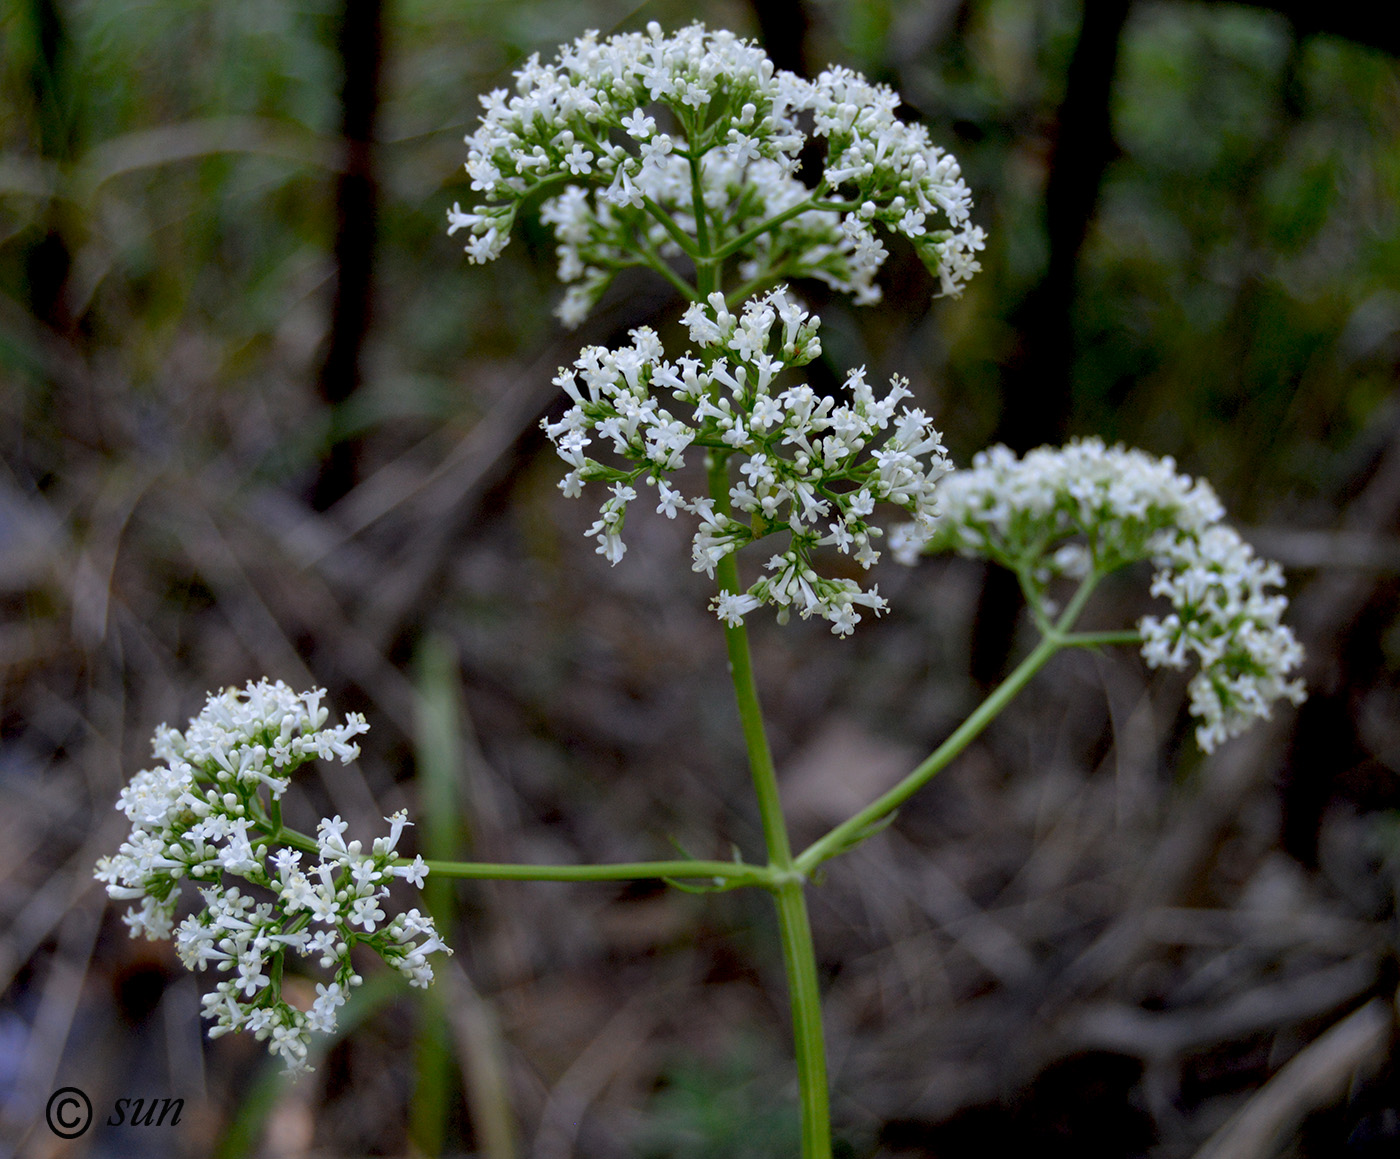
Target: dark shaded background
258,416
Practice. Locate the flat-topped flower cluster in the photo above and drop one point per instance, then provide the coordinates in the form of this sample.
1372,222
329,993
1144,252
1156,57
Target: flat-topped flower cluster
661,140
812,467
1086,508
201,815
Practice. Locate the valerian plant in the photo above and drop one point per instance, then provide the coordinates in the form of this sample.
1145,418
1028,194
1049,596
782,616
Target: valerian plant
680,154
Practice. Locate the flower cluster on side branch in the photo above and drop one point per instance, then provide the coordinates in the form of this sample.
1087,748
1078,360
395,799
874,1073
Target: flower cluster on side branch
811,466
200,816
1086,508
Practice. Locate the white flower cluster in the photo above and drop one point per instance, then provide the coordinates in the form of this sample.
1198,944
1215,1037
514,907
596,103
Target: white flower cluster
201,815
1063,510
634,125
1224,615
1089,508
809,465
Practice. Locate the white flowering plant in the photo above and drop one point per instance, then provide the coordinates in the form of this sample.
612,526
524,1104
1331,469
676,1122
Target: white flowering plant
680,154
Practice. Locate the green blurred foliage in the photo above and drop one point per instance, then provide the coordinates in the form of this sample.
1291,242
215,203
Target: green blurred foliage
723,1110
1240,283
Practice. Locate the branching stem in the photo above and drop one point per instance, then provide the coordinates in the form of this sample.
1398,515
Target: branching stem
851,832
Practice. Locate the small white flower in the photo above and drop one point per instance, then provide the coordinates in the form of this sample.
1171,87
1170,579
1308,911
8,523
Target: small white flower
414,873
639,125
329,999
732,607
579,160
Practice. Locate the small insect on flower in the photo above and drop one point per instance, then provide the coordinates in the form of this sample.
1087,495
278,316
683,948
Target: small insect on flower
206,813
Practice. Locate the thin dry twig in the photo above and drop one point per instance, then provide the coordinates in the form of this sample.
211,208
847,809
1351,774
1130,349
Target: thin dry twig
1315,1077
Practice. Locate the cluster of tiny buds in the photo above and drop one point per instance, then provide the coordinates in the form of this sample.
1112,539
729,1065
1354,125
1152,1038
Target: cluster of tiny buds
200,816
1088,509
809,465
651,132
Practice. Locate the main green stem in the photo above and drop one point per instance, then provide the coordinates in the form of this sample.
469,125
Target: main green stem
785,883
795,930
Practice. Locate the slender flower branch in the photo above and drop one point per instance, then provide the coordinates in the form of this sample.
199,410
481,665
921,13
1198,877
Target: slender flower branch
851,832
1076,604
749,236
652,260
857,828
1101,639
1034,601
289,837
668,223
732,873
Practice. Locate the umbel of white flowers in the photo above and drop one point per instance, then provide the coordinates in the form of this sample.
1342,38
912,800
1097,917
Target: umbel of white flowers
627,129
812,468
200,815
1067,511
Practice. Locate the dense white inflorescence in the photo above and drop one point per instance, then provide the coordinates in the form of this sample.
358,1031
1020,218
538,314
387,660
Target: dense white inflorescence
1085,508
627,130
200,816
810,466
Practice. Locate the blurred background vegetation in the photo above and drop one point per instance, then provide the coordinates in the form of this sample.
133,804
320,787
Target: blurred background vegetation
259,416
